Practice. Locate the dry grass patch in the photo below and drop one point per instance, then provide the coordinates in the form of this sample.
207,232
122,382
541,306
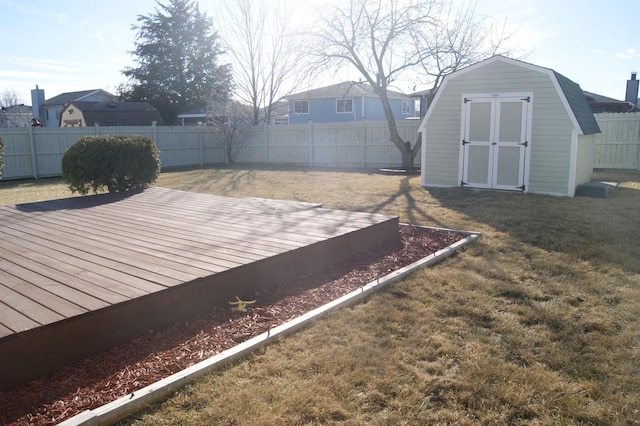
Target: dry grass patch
536,323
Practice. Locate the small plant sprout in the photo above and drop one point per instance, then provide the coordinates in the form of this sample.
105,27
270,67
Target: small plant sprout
241,305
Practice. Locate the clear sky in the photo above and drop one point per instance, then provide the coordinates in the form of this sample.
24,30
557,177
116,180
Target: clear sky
75,45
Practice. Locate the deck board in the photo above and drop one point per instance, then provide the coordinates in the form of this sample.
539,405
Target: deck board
81,274
46,298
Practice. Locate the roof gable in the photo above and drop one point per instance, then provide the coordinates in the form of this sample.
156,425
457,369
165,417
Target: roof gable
348,89
570,93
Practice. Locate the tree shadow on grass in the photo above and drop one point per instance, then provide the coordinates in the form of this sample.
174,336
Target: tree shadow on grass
416,211
234,178
601,231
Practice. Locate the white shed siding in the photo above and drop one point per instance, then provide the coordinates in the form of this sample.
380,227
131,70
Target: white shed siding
549,149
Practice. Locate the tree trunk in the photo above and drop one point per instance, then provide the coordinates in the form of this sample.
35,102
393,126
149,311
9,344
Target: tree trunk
403,147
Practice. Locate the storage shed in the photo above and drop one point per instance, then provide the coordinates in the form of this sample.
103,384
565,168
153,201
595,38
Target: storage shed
510,125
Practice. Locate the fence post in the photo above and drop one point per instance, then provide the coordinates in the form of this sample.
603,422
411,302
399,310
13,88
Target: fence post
364,142
154,132
200,146
266,144
226,147
32,148
311,160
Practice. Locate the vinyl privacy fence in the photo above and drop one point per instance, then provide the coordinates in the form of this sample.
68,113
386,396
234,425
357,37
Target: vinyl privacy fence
618,144
37,152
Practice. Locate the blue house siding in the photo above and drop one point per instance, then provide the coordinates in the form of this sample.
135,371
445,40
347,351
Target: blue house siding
323,110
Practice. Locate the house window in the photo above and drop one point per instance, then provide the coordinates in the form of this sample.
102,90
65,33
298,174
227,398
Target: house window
406,107
301,107
344,105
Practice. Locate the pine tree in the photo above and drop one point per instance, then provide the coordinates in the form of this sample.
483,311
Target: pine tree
177,54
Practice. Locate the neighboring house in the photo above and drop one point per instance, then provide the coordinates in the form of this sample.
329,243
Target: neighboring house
16,116
238,110
82,114
48,112
424,97
280,113
509,125
349,101
599,103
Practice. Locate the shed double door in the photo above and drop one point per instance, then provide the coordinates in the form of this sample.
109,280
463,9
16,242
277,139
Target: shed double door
494,142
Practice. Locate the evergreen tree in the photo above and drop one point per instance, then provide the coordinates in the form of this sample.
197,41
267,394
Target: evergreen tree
177,54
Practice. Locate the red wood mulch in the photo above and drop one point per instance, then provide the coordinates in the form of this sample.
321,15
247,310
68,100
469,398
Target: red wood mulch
107,376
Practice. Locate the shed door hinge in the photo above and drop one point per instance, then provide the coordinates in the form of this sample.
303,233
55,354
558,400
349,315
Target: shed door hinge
464,142
467,100
463,183
528,99
522,188
525,144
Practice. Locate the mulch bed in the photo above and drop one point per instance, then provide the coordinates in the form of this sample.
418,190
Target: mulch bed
107,376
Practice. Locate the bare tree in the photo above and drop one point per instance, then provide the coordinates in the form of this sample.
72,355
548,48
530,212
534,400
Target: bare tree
384,39
462,38
14,113
263,52
378,39
231,122
9,98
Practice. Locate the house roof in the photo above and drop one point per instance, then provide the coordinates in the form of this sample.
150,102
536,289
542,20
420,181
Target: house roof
570,93
193,113
420,93
65,98
347,89
17,109
598,98
118,113
599,103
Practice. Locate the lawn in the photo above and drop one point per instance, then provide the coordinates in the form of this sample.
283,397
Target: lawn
536,323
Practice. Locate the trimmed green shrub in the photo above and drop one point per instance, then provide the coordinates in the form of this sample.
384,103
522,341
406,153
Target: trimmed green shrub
120,163
1,151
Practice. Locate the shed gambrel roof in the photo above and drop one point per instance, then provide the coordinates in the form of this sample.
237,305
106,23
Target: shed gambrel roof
348,89
65,98
118,113
570,92
578,103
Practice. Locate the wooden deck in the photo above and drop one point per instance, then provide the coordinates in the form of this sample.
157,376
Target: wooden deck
80,275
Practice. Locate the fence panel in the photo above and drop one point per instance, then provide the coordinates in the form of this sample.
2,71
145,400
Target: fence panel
179,148
17,153
288,144
618,144
38,152
50,146
253,149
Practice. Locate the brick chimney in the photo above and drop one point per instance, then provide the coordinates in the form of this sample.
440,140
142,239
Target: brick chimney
632,89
